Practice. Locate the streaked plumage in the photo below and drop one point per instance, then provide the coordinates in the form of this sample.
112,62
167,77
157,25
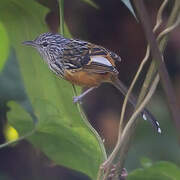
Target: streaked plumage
61,53
82,63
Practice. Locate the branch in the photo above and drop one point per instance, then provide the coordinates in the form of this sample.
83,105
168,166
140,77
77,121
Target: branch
122,146
94,132
157,56
145,59
130,127
162,45
125,143
117,147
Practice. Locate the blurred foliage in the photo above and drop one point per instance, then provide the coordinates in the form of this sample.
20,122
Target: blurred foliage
157,171
146,162
4,46
4,177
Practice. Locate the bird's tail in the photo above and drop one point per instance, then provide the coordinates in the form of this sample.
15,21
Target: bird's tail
133,100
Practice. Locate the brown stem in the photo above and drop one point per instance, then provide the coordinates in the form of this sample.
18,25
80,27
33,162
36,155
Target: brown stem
157,56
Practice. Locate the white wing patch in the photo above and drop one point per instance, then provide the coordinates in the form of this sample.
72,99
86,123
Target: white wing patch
100,60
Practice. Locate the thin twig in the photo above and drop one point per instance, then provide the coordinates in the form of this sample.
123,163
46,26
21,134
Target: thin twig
116,149
19,139
169,29
61,13
126,135
166,83
159,15
90,127
83,116
171,20
152,70
158,24
162,44
125,146
126,141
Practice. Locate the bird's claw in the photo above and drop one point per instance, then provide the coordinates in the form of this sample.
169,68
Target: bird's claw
77,99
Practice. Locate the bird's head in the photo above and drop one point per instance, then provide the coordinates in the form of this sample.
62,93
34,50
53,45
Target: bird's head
49,45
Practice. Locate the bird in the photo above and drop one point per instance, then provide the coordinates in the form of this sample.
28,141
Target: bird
85,64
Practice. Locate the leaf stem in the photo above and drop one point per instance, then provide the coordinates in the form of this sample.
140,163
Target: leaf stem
130,127
61,13
101,144
83,116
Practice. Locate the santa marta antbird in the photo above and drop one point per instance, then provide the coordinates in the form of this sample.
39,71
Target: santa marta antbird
84,64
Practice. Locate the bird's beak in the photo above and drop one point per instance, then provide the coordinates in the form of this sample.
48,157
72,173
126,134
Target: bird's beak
30,43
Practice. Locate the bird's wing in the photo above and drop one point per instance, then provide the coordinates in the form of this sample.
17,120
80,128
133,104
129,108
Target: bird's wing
80,54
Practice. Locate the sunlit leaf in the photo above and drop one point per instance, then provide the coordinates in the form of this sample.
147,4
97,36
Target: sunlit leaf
158,171
4,46
66,31
10,133
145,162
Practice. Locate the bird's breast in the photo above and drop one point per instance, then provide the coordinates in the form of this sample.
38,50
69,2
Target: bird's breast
86,79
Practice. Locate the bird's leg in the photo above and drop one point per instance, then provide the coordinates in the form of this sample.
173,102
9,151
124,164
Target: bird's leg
79,98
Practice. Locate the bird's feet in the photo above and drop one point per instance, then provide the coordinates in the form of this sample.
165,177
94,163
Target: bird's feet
123,175
77,99
113,170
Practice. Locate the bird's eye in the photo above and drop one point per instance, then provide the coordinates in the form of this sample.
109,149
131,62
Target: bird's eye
44,44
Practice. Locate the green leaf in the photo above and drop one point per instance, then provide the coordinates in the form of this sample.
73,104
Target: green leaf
91,3
4,46
60,132
158,171
53,137
129,6
66,31
145,162
12,87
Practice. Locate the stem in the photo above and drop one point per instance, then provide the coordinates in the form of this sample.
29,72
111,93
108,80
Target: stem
130,127
101,144
83,116
125,143
61,13
28,134
146,57
125,139
162,45
157,56
117,147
